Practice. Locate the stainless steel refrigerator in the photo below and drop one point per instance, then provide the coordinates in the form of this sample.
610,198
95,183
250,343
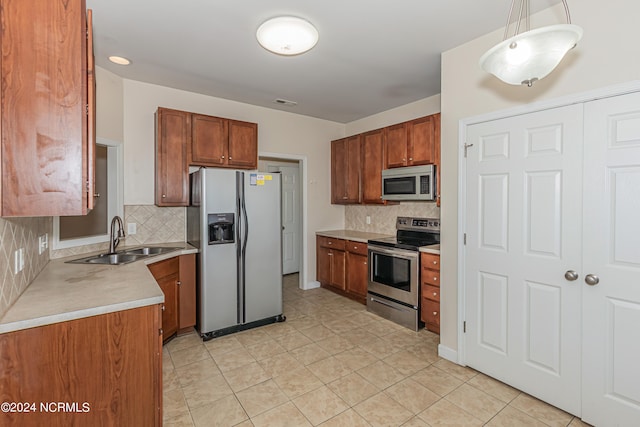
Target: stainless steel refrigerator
234,220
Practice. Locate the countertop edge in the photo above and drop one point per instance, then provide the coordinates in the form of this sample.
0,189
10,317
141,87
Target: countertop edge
354,235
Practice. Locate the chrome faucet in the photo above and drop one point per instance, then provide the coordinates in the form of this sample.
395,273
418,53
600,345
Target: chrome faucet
114,238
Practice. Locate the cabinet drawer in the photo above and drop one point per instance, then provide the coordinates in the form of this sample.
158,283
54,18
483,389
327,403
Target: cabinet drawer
431,277
357,247
430,312
331,242
431,292
164,268
430,261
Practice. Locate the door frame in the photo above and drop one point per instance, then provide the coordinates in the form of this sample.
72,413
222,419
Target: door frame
606,92
302,163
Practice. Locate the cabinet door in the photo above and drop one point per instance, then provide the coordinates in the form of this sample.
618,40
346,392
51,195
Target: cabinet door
243,144
357,275
345,170
338,269
173,132
187,292
91,115
100,360
209,137
372,165
169,286
338,171
323,265
395,145
43,111
420,141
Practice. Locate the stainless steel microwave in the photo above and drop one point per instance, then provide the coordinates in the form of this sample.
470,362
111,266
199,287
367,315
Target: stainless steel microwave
409,183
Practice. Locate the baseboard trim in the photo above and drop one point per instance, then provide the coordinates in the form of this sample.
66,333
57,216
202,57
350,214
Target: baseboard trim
312,285
448,353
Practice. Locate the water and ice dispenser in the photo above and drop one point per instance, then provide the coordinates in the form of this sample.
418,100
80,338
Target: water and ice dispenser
221,228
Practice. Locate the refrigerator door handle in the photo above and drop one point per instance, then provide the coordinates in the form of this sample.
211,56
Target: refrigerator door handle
239,255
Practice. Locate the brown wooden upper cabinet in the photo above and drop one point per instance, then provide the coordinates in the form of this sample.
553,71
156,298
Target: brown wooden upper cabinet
372,165
410,143
47,108
173,132
184,139
222,142
345,170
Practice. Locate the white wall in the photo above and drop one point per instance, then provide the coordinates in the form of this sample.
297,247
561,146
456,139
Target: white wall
414,110
607,55
109,100
278,132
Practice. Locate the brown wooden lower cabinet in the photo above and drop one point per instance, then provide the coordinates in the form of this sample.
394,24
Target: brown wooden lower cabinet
176,278
430,291
102,370
341,266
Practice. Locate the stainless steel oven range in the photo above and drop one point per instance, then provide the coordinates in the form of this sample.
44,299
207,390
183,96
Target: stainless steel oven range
394,270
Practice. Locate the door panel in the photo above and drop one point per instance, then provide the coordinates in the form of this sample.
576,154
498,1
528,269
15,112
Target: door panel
611,310
523,211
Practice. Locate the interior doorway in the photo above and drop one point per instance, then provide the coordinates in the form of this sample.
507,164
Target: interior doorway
292,217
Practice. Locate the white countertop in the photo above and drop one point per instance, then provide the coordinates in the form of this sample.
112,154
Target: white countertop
63,292
356,236
363,237
431,249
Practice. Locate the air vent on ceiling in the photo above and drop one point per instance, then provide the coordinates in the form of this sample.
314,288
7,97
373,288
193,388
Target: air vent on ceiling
285,102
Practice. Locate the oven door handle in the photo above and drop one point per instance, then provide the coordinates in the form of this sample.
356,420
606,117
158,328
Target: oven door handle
400,253
382,302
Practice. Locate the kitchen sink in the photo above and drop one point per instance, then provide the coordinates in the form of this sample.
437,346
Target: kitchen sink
150,250
124,256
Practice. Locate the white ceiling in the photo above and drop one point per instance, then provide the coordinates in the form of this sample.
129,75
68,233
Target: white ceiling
373,55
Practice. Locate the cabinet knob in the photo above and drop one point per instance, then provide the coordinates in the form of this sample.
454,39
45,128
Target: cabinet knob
229,157
404,160
435,294
365,262
329,242
96,195
162,307
344,197
222,157
410,158
330,254
160,331
164,196
178,283
435,313
435,262
435,279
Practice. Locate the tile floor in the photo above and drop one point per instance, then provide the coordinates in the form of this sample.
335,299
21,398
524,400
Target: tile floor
333,364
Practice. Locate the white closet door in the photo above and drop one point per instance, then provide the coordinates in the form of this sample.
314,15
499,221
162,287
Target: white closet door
611,314
524,210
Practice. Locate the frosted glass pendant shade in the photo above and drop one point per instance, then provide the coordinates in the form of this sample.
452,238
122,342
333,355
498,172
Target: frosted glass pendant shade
287,35
532,55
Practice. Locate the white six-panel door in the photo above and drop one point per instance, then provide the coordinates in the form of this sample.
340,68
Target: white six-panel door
611,309
552,259
524,199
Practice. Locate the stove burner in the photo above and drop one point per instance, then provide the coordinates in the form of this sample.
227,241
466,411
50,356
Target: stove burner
412,233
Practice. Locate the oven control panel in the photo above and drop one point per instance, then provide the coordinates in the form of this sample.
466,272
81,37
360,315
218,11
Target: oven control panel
420,224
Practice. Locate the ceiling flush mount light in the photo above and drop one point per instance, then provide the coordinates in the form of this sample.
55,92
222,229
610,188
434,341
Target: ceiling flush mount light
119,60
287,35
531,55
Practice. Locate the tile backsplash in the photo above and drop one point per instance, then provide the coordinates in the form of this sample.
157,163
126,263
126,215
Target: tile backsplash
16,233
153,225
383,218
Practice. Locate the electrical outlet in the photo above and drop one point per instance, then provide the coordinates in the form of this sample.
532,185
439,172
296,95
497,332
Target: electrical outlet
18,261
43,243
368,219
131,228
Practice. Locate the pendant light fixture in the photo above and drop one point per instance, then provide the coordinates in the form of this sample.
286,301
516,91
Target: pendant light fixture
287,35
531,55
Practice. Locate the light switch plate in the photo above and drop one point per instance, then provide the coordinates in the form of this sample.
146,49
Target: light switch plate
131,228
368,219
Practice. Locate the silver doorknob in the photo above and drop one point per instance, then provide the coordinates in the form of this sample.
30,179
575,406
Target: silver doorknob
571,275
591,279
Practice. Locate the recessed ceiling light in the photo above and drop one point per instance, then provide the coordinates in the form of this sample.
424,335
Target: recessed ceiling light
119,60
287,35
